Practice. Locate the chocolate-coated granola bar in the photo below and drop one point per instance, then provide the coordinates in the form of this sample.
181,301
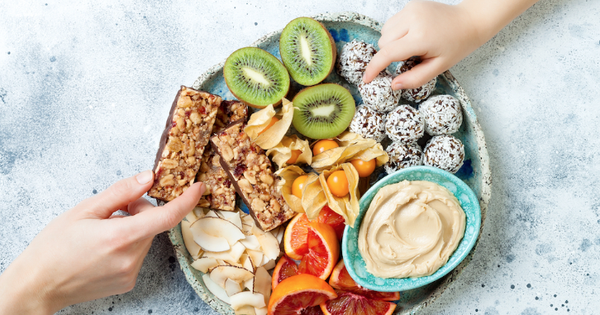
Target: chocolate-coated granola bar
186,134
251,173
220,192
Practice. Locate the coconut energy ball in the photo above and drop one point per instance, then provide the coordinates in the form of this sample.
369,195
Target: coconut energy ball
353,60
378,94
443,115
402,156
421,93
445,152
368,123
404,124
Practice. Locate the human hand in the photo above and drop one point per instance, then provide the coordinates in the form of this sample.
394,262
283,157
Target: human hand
86,253
441,34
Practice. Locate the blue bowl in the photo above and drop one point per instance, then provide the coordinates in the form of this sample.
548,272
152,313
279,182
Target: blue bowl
468,201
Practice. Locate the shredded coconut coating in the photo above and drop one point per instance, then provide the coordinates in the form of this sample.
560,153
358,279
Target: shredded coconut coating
378,94
404,124
418,94
353,60
443,115
368,123
403,155
445,152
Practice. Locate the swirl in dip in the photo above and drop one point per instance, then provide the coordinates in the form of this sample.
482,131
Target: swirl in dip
410,230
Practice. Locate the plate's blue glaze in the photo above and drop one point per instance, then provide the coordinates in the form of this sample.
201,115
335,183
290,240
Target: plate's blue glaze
468,201
345,27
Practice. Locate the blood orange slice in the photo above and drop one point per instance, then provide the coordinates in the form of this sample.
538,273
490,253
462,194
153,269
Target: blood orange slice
323,251
348,303
297,293
294,240
336,221
340,279
285,268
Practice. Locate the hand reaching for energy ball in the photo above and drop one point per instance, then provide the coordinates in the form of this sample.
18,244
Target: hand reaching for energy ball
441,34
87,253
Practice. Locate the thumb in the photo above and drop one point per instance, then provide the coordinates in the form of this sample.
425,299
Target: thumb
155,220
120,194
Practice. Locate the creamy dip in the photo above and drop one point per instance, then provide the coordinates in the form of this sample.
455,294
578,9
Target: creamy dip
410,230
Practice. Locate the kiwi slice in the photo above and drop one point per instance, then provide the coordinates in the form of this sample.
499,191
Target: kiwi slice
256,77
323,111
307,50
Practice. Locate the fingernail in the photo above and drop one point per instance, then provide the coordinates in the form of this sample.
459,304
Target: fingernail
364,78
397,86
144,177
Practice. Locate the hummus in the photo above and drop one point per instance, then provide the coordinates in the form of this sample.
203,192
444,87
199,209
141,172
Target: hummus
410,230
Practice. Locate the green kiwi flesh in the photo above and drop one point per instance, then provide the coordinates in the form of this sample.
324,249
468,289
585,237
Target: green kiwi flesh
307,50
256,77
323,111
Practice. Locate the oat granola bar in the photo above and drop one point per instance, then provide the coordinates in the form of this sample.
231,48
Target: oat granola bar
220,192
251,173
182,144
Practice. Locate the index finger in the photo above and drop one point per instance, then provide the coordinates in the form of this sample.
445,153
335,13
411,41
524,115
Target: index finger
397,50
159,219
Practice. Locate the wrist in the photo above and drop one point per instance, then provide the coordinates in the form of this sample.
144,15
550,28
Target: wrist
483,28
20,293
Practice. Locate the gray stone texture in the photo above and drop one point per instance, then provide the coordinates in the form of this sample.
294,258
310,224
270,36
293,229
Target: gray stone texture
85,88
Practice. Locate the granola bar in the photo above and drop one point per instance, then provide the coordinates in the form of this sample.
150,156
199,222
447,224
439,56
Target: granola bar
220,192
251,173
182,144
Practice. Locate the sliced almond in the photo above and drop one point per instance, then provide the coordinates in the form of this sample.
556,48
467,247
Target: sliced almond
241,299
215,289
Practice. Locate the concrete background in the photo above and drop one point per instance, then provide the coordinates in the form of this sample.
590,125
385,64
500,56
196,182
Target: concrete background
85,87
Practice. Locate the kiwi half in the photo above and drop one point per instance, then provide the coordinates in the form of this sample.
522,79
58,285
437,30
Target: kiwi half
256,77
307,50
323,111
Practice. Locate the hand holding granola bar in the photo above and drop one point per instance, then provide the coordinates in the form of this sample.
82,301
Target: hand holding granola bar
88,253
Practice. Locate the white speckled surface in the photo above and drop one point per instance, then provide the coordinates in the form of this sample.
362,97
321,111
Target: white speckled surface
85,87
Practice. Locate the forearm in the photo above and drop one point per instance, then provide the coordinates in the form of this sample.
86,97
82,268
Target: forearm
490,16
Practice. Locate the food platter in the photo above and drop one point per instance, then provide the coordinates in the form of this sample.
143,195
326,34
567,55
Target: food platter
475,173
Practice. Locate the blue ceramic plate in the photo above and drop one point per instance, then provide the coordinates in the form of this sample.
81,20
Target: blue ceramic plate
345,27
468,201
